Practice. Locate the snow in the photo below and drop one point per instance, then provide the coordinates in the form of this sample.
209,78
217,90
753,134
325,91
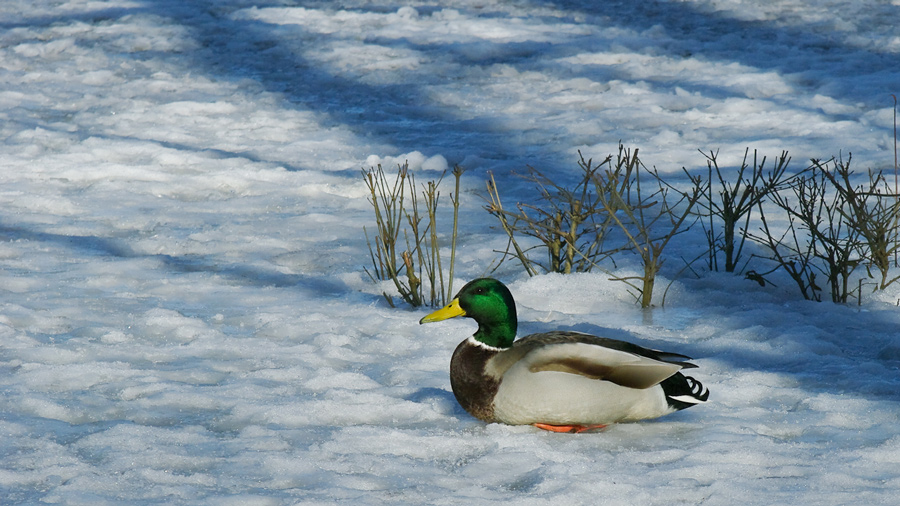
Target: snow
183,313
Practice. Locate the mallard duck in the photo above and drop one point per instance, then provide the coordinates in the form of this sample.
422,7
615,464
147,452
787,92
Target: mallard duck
560,381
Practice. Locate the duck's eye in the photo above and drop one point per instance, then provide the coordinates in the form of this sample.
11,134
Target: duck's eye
479,291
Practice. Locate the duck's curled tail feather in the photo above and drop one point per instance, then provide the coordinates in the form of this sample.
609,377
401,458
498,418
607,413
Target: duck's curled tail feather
684,391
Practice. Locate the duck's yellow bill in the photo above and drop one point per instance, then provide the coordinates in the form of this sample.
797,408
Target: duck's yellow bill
451,310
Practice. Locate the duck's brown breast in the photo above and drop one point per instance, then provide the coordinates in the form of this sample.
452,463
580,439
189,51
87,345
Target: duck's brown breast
473,388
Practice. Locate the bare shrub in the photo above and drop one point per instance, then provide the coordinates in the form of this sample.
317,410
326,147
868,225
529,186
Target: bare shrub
396,206
736,198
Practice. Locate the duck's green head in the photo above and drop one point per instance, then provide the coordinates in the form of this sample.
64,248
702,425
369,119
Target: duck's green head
489,303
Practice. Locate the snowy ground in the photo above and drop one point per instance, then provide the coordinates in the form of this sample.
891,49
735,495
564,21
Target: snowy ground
183,316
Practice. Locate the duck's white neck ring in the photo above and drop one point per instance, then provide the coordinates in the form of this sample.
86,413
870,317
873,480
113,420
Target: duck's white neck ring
476,342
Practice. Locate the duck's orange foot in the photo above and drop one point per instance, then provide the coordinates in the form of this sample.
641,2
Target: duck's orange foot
573,429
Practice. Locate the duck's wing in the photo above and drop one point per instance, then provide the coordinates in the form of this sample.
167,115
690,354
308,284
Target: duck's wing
594,357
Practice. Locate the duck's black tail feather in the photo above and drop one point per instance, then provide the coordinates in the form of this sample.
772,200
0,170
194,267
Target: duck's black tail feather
684,391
